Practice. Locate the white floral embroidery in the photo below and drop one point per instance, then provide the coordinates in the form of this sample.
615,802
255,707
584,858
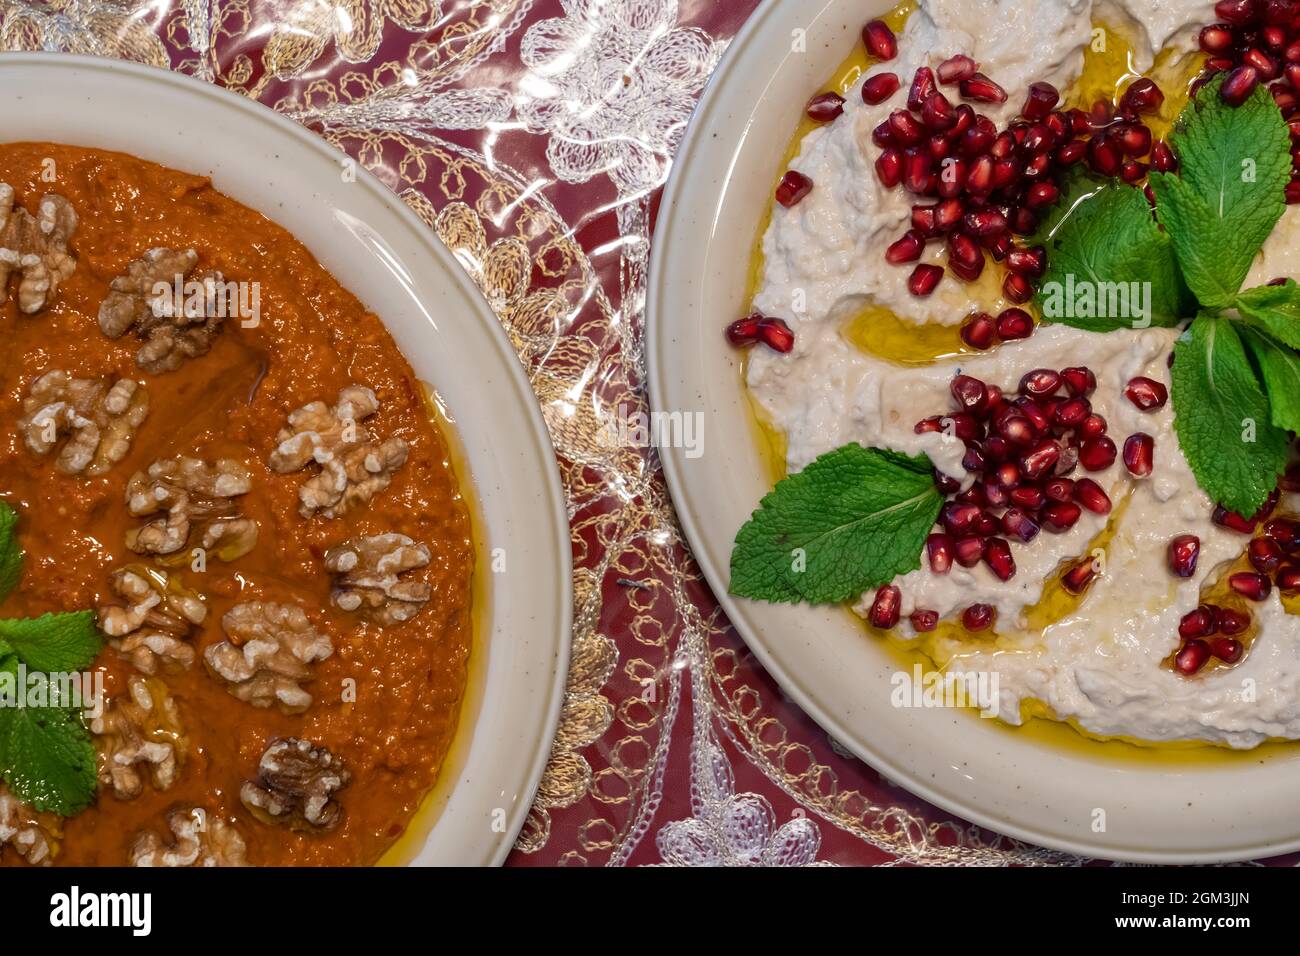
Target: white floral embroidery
613,83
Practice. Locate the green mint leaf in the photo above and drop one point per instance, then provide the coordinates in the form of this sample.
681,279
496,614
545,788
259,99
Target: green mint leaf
1109,266
54,642
1078,185
1221,415
1275,309
47,758
1229,193
852,520
1280,368
11,558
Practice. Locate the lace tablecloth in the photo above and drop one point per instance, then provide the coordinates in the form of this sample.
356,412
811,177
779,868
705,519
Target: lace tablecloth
533,136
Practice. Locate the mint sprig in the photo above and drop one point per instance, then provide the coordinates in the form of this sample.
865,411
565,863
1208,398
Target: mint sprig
853,519
46,754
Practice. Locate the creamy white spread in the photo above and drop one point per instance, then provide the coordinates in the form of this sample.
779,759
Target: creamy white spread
1104,663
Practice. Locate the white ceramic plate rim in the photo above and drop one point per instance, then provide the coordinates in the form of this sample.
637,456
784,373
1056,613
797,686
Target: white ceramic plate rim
368,238
720,184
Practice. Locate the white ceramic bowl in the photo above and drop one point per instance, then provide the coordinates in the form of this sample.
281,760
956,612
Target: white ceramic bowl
390,260
721,184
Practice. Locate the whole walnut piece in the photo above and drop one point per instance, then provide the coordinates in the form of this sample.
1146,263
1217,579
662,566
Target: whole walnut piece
36,247
198,838
151,627
138,738
354,466
196,497
22,828
295,786
90,421
174,328
367,577
266,654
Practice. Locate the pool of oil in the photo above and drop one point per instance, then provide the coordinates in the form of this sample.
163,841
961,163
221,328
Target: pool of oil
1108,70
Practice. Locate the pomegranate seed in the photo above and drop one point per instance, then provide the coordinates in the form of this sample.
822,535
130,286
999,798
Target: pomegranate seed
1071,153
1061,516
1028,262
1292,52
1292,193
1232,621
905,128
994,494
1016,428
1134,141
964,426
1142,96
825,107
924,220
1098,453
1018,524
957,68
1192,657
952,180
883,136
776,335
1104,156
1265,555
885,608
1042,195
1162,157
1216,39
969,393
1240,83
1184,552
1007,475
997,555
923,280
979,331
958,518
937,113
1237,12
1071,412
1091,495
945,483
1226,649
924,621
1201,622
880,40
1146,393
922,86
1040,381
1250,585
985,222
1233,521
1077,579
1041,460
1288,578
917,167
979,138
793,187
1007,172
1059,489
1017,288
1042,99
968,551
979,180
744,331
1092,427
977,617
947,214
879,88
1133,172
1264,65
906,249
965,257
1079,380
938,548
1139,454
1027,498
1290,480
1285,532
982,90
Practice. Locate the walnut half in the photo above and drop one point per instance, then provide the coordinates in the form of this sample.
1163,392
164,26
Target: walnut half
139,737
295,786
36,247
266,654
94,421
354,466
174,327
368,577
23,830
195,496
198,838
151,627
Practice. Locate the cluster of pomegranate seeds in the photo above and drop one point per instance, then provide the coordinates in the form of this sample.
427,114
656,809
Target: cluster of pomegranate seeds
1258,41
1210,630
756,327
986,186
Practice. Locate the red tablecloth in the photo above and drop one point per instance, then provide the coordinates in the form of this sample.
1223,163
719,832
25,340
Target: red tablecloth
533,136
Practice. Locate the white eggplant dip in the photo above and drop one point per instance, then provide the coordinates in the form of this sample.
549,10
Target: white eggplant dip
1105,662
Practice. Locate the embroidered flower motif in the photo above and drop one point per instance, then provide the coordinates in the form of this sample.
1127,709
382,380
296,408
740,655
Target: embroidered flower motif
613,83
